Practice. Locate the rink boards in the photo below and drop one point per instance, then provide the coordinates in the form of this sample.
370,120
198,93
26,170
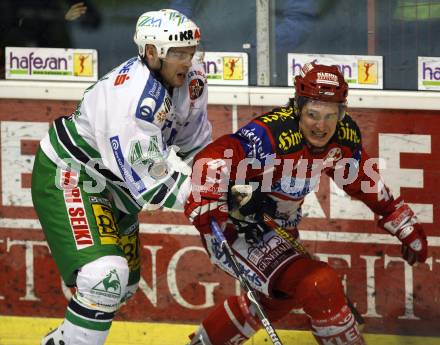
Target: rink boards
179,286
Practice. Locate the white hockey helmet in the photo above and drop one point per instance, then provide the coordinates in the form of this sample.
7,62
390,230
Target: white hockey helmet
165,29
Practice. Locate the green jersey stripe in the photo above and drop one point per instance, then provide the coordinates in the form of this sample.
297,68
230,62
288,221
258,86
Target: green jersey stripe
129,202
79,140
171,199
87,323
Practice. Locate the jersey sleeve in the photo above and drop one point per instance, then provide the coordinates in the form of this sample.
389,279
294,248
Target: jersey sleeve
236,157
360,178
369,186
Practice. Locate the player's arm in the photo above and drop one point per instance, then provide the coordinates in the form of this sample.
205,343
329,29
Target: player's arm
223,168
212,170
397,217
154,175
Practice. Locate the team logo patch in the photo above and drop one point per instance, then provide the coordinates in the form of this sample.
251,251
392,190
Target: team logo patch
333,155
110,286
196,87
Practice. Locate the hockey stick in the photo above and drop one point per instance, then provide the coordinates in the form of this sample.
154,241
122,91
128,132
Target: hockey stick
298,246
244,283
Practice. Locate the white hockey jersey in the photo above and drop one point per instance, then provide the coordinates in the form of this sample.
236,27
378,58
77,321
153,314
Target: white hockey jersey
124,131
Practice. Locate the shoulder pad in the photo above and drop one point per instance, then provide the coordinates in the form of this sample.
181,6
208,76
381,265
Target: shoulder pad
348,133
283,124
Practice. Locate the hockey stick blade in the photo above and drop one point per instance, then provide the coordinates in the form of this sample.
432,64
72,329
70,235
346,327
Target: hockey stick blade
270,330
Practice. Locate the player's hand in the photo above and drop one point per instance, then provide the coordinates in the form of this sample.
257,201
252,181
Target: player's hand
415,246
245,210
403,224
75,11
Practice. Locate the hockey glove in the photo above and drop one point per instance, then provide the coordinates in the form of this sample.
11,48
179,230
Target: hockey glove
403,224
245,211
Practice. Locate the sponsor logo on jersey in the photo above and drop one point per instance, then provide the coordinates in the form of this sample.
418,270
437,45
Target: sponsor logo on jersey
288,139
99,200
106,223
155,104
122,76
281,114
130,246
132,179
147,108
347,133
219,255
68,179
253,144
269,254
196,87
76,211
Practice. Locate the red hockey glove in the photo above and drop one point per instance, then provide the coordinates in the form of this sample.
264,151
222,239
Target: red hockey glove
403,224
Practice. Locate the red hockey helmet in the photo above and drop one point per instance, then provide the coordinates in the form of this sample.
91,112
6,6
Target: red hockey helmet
321,82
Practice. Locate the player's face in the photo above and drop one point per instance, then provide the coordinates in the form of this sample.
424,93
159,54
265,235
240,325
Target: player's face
318,122
176,65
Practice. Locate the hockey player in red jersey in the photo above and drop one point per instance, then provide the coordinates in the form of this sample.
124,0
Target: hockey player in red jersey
268,167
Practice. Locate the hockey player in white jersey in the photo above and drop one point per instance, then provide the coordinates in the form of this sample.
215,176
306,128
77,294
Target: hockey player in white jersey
121,150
